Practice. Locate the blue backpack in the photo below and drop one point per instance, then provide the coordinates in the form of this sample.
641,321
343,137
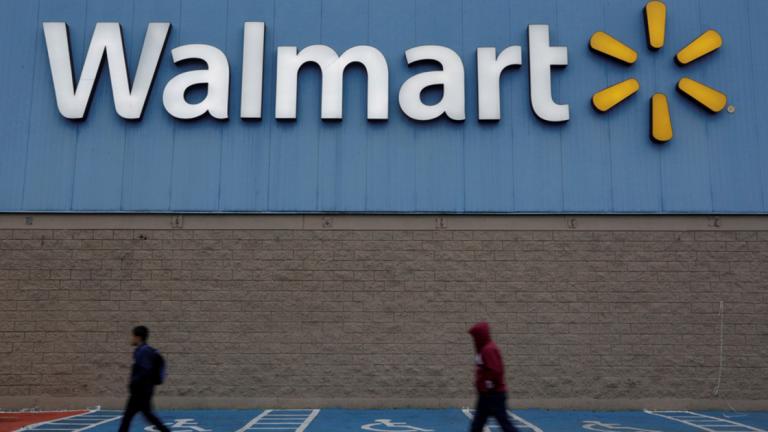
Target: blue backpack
158,368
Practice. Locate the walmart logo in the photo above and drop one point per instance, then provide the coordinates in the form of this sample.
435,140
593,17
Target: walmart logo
661,121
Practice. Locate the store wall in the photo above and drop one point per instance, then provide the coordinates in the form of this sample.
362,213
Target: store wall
594,163
287,302
373,311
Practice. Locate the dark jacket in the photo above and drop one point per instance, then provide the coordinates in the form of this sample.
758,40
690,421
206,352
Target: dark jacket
142,380
489,371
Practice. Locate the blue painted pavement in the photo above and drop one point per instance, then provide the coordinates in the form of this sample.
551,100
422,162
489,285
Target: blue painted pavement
414,420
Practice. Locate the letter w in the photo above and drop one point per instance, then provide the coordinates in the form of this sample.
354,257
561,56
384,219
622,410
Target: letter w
107,37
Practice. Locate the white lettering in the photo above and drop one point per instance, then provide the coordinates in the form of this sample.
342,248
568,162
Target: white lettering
253,70
489,69
216,78
543,57
332,66
73,97
451,78
107,38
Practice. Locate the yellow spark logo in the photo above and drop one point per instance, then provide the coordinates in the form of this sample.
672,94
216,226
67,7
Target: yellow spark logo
661,122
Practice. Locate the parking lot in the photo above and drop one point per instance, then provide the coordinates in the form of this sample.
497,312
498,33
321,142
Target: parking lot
413,420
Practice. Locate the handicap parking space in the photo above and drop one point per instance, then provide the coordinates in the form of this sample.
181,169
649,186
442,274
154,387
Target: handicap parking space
396,420
89,420
418,420
190,421
715,421
599,421
643,421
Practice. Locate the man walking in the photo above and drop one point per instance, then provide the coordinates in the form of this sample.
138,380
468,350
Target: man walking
489,381
148,371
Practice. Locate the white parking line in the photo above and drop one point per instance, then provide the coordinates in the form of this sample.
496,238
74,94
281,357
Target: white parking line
704,422
517,421
281,421
597,426
76,423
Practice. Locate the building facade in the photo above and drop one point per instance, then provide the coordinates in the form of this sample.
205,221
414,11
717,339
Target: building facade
590,177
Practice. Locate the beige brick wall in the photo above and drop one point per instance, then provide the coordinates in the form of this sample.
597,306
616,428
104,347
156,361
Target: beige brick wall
374,312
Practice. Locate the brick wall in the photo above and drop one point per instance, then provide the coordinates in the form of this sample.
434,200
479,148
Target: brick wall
375,317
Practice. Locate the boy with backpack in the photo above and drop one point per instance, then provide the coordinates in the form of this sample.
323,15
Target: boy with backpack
148,371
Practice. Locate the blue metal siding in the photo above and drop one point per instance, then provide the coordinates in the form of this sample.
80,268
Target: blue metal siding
15,98
685,178
587,157
596,163
738,168
294,146
149,142
488,155
51,140
343,144
245,151
100,143
757,13
635,160
391,163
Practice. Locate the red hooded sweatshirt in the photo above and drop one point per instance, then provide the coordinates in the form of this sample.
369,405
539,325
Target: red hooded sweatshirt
489,375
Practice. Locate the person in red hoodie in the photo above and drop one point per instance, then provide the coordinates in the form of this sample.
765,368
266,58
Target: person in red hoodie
489,381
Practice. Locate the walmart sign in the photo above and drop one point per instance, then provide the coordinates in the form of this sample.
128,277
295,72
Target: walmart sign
368,106
107,41
129,102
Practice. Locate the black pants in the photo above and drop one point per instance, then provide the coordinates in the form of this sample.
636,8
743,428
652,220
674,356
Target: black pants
492,405
141,402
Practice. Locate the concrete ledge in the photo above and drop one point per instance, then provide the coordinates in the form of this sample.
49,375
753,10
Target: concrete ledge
388,222
50,403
